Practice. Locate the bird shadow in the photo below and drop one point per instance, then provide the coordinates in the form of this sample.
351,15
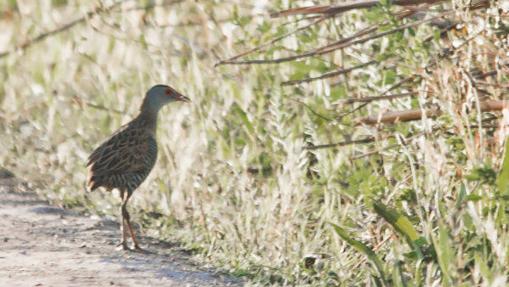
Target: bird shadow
164,259
167,266
72,229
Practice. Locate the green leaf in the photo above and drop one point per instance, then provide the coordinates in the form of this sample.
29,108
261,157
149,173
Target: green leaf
300,70
483,174
473,197
461,196
58,3
362,248
503,176
402,225
389,77
338,92
242,115
240,20
444,252
397,275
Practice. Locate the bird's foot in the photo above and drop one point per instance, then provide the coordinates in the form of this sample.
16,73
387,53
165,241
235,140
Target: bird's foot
122,246
137,248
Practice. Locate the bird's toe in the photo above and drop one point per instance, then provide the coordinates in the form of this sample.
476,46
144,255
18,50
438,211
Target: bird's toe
122,246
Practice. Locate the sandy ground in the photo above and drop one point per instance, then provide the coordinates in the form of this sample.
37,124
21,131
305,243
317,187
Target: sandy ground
43,245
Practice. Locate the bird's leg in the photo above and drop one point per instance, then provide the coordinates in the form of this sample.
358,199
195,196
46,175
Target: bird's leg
123,212
128,221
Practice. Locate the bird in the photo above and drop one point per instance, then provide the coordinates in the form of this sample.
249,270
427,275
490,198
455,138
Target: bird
124,160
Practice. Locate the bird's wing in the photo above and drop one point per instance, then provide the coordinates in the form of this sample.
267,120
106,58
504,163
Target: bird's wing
123,152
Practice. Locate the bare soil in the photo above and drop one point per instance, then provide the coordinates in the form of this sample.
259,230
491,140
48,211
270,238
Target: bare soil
43,245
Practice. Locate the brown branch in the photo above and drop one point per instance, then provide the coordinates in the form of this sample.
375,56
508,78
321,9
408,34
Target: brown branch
340,8
417,114
313,111
330,74
362,32
258,48
304,55
370,153
26,44
328,11
340,44
397,116
343,143
383,95
400,83
150,6
379,98
344,114
363,4
389,146
494,105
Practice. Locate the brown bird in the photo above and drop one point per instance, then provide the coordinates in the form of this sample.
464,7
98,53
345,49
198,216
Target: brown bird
126,158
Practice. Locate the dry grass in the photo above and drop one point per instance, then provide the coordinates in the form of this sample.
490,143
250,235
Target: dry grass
233,177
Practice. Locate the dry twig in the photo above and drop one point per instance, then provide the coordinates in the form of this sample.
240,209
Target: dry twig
417,114
347,6
232,61
330,74
343,143
26,44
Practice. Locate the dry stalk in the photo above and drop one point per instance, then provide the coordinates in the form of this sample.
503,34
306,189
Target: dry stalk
417,114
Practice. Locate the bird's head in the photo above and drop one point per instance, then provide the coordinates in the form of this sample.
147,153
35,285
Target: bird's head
160,95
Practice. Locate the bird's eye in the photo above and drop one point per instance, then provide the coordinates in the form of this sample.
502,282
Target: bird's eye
169,92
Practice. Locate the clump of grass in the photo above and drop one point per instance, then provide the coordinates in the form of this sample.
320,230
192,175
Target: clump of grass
236,179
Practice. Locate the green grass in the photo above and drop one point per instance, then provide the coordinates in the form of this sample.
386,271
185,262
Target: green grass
422,206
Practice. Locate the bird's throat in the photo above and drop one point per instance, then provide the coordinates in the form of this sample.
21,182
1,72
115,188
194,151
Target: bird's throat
147,119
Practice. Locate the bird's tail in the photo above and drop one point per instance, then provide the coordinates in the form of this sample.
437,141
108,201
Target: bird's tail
85,187
90,185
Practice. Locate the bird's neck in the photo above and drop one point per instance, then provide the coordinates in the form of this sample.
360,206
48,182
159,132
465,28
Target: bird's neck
147,119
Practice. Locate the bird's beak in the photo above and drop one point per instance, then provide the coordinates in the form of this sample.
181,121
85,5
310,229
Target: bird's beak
181,97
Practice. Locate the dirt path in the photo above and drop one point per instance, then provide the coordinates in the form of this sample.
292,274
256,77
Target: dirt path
42,245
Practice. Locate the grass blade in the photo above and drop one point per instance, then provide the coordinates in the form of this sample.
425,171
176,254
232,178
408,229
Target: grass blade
402,225
362,248
503,176
445,253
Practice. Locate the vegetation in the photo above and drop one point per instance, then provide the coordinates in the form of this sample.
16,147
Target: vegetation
324,146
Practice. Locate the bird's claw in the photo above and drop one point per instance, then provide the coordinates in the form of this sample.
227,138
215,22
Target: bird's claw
137,248
122,246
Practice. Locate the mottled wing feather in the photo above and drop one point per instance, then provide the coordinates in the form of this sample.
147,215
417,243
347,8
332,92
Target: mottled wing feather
122,161
107,145
120,154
